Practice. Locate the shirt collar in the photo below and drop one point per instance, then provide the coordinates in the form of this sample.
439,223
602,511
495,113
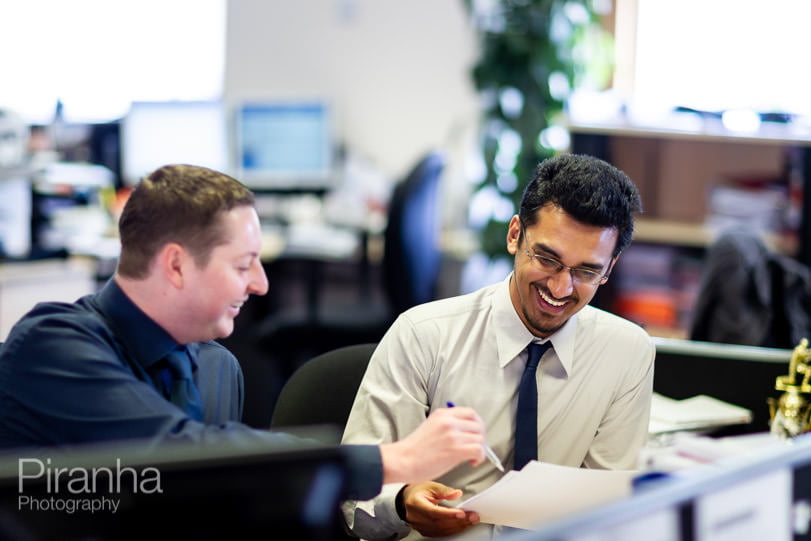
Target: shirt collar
512,336
141,336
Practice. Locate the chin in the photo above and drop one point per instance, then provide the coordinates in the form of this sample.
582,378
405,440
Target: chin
225,333
223,330
546,326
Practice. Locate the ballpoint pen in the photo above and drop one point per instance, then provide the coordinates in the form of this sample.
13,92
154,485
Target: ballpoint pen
488,452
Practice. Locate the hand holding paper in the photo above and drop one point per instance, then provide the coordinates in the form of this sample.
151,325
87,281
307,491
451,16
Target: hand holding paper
425,514
541,491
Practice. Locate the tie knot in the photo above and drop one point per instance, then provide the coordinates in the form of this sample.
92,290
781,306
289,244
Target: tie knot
180,363
536,351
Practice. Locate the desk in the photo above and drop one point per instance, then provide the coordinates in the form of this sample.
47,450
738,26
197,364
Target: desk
316,244
740,375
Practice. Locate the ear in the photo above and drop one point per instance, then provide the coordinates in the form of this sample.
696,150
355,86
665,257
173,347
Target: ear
610,268
513,234
173,260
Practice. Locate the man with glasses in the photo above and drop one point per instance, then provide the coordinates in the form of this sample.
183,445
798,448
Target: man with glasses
529,347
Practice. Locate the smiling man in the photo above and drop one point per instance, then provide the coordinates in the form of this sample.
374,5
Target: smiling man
138,360
592,381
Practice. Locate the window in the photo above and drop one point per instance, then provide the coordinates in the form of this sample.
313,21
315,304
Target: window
97,56
723,54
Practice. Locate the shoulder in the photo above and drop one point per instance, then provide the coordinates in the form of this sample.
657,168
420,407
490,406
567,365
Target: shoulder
60,321
213,356
216,352
613,329
48,340
470,305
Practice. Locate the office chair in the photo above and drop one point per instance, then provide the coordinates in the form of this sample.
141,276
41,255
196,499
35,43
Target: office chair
410,275
411,254
322,390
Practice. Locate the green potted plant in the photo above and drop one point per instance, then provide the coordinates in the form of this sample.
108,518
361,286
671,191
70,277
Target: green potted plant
533,54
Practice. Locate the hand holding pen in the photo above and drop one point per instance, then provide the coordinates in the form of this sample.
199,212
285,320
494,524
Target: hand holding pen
488,452
445,439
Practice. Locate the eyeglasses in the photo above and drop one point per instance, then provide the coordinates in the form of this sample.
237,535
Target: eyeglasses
552,266
578,274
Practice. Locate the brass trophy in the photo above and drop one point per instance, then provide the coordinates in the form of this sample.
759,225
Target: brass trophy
791,413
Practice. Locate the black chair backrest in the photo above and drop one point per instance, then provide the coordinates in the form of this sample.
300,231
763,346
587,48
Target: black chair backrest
322,390
411,256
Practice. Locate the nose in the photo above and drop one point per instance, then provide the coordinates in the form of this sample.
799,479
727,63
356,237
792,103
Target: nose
561,284
258,284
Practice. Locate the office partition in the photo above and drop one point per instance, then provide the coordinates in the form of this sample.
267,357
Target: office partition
758,497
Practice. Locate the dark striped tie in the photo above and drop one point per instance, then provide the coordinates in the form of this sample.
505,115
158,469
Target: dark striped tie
184,393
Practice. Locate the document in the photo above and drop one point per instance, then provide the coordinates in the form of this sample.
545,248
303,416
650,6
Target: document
541,492
697,412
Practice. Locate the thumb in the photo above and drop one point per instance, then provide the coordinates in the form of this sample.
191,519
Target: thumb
446,492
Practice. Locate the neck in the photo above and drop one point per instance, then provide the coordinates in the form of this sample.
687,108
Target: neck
153,300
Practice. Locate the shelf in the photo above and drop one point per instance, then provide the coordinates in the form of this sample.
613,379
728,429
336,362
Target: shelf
689,127
693,235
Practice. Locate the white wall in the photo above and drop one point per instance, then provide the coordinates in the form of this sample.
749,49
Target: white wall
396,72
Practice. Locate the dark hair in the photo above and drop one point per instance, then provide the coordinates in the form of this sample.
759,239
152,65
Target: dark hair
176,203
592,191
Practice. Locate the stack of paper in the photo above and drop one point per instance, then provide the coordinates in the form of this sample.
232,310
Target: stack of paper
542,491
697,412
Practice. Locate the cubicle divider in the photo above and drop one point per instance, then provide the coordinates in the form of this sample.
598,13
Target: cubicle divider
765,495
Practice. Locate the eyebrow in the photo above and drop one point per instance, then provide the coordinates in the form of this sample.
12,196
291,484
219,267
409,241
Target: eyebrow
249,255
585,265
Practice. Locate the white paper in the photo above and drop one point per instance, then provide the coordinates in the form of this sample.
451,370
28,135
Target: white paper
701,411
542,491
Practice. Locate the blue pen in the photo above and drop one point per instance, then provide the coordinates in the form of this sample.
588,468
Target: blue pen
488,452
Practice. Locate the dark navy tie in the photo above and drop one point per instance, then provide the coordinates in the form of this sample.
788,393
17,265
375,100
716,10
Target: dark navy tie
183,391
526,415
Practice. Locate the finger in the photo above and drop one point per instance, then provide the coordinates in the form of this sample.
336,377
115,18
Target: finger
440,512
443,492
442,527
464,414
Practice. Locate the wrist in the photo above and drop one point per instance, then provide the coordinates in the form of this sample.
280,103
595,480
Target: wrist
396,464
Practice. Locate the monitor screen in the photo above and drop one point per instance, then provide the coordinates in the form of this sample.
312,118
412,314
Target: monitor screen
159,133
284,145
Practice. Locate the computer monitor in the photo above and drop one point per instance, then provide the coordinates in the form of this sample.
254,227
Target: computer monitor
284,145
156,133
189,491
739,374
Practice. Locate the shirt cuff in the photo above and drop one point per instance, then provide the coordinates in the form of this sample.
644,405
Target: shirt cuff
377,518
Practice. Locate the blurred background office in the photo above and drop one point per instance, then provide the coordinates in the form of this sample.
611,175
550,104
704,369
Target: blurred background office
388,143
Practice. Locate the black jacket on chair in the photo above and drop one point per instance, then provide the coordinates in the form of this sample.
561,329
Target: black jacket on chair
751,295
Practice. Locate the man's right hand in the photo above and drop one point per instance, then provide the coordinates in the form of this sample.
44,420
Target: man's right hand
446,438
424,514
